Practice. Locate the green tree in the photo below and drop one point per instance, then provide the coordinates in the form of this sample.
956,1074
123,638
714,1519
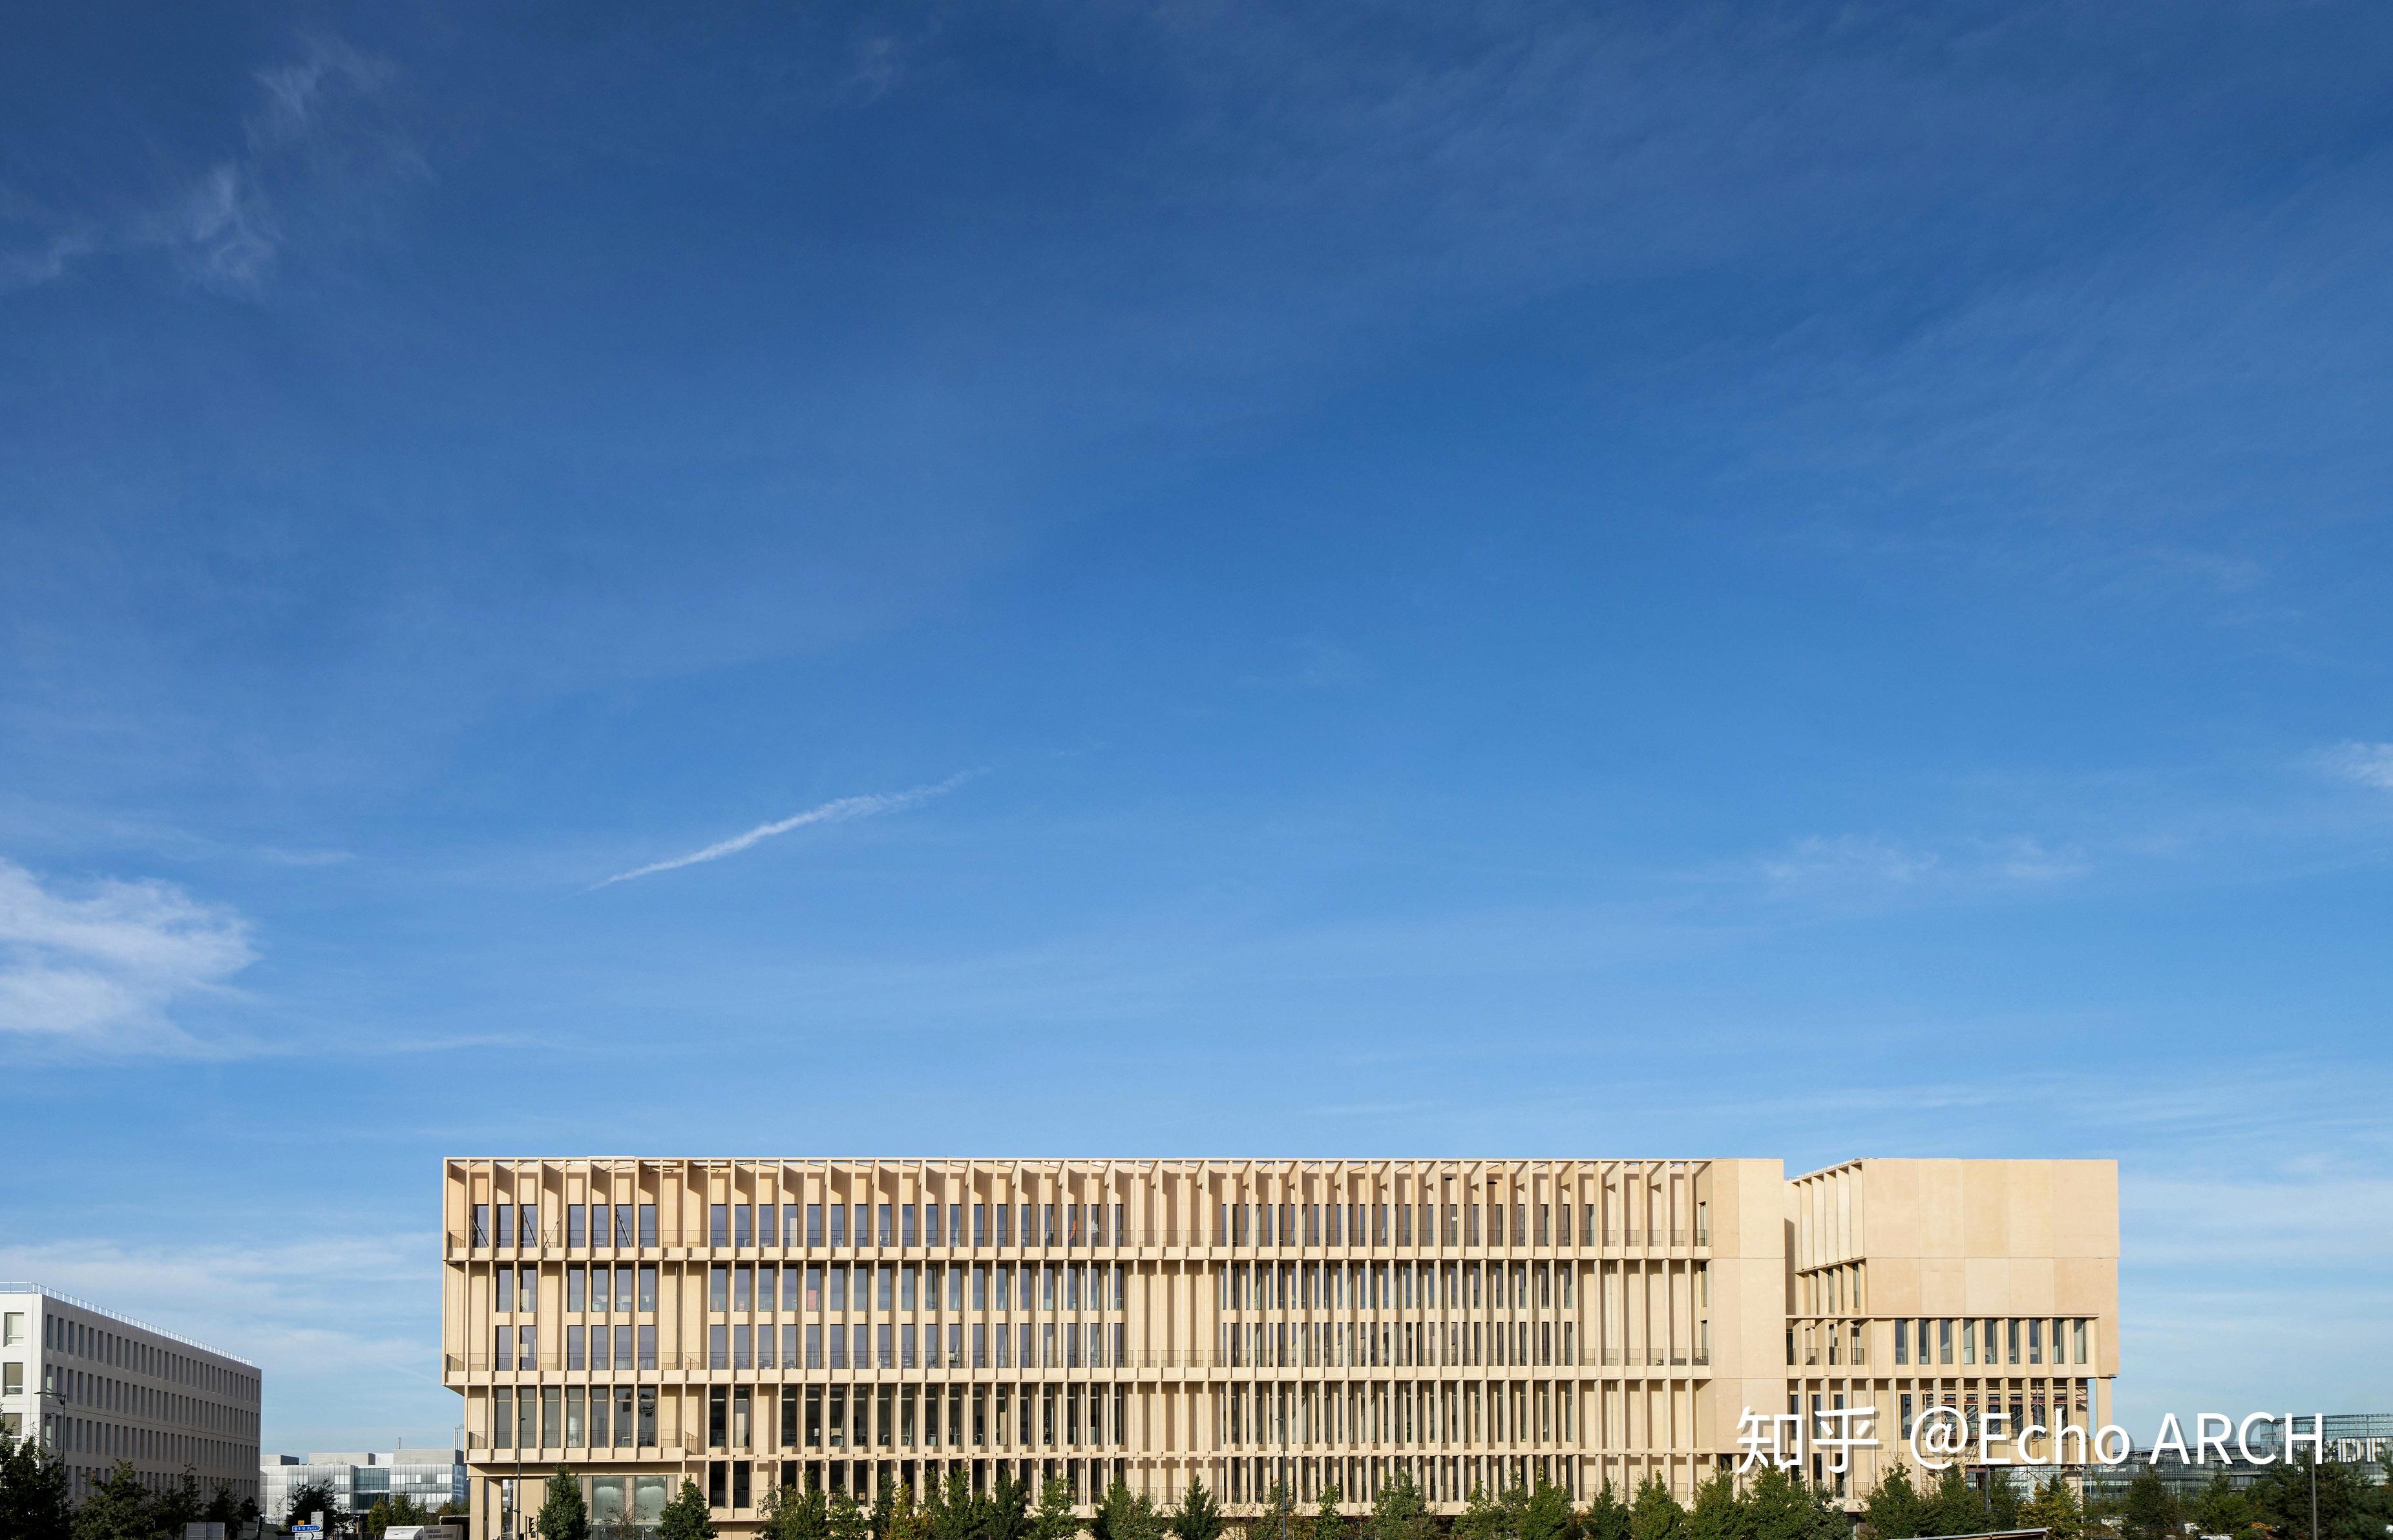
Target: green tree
1607,1517
847,1520
1655,1515
1718,1512
311,1497
1892,1510
2147,1513
1483,1517
1824,1520
798,1513
386,1511
1953,1506
955,1513
1398,1512
1055,1518
907,1519
1547,1515
685,1518
118,1509
563,1514
223,1507
1009,1511
1124,1514
1327,1523
1776,1508
179,1505
1277,1520
1198,1517
2220,1509
2055,1508
2345,1509
33,1491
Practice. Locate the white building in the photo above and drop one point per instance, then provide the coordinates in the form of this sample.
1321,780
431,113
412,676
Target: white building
360,1478
99,1388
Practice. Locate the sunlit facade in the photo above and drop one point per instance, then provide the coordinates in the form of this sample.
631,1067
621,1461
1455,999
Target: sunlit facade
850,1323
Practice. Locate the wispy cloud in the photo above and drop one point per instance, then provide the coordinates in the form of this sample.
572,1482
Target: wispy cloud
842,810
106,967
1858,864
311,144
2368,763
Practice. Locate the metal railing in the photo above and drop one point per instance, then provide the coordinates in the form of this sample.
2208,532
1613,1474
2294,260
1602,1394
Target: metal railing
64,1297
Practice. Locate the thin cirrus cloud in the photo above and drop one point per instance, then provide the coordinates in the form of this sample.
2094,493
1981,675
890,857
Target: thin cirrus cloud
316,151
2368,763
108,966
1854,864
839,810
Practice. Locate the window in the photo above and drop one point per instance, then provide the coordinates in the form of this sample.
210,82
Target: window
623,1231
2077,1336
648,1289
718,1287
1902,1341
647,1224
768,1231
574,1279
885,1232
648,1359
718,1224
481,1224
814,1224
839,1224
2035,1342
744,1224
574,1235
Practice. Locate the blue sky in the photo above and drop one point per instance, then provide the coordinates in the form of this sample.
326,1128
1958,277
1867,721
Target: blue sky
1530,581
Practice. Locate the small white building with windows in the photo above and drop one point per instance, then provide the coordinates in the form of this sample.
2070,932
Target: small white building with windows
99,1388
432,1477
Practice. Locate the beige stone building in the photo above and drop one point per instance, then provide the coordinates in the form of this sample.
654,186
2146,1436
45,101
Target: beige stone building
851,1324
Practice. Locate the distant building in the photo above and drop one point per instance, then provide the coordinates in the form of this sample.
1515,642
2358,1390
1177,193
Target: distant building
2359,1440
361,1477
99,1388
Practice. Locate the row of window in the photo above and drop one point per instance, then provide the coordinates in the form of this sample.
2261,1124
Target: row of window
2004,1339
1404,1344
153,1360
128,1398
2067,1409
1071,1224
1071,1345
599,1289
1403,1412
1405,1286
817,1416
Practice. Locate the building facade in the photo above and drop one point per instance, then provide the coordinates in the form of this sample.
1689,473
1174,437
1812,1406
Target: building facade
99,1388
433,1478
851,1324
